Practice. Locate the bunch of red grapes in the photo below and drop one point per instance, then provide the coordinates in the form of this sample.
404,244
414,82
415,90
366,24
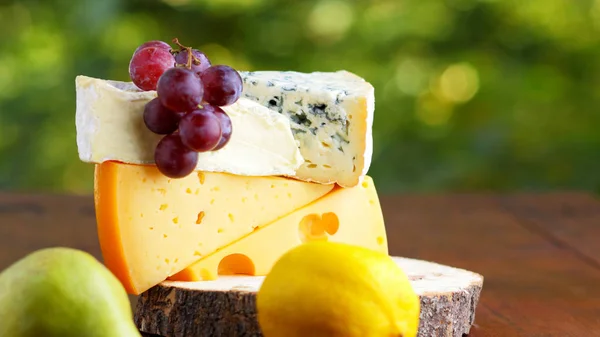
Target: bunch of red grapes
187,110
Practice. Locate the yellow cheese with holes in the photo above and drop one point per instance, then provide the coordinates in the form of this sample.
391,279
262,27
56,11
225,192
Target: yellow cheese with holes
349,215
151,227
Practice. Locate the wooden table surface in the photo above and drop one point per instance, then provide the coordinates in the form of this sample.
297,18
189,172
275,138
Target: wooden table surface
539,253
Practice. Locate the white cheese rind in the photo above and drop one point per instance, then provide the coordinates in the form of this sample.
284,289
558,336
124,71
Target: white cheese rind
331,116
110,126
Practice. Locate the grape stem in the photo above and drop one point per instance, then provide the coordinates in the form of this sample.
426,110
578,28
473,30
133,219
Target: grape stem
191,57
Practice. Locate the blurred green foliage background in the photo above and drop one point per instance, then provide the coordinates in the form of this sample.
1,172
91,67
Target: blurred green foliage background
470,94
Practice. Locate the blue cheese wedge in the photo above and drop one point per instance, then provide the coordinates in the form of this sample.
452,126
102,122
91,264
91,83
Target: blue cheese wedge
110,127
331,117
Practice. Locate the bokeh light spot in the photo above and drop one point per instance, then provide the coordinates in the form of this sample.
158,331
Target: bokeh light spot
459,83
411,77
330,19
43,50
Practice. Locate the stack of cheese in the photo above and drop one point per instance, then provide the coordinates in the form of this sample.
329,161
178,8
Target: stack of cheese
293,171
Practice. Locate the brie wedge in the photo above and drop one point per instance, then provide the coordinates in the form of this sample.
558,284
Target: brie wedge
110,127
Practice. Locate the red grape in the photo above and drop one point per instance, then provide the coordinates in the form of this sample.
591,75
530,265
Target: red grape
180,89
159,119
200,130
222,85
197,67
226,128
148,64
174,159
154,43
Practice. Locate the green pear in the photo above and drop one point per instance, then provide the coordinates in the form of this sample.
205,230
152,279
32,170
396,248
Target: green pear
63,292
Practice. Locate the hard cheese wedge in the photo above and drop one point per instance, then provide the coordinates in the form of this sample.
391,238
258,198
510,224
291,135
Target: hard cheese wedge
349,215
151,227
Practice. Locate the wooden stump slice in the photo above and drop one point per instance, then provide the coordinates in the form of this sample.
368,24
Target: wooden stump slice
227,306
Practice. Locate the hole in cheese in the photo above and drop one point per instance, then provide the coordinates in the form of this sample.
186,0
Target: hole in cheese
201,178
326,166
230,217
380,240
220,230
163,207
188,191
312,165
308,227
325,144
365,184
315,227
331,222
236,264
175,220
188,274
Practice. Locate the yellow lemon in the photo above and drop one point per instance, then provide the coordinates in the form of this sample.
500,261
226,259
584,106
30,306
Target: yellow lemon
332,289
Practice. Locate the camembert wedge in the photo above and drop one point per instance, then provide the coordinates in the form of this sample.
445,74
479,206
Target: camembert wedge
110,127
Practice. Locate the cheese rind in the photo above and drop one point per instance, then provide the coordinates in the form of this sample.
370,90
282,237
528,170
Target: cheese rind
347,215
331,116
110,126
151,227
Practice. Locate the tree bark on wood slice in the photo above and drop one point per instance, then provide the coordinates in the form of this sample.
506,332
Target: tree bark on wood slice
227,306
